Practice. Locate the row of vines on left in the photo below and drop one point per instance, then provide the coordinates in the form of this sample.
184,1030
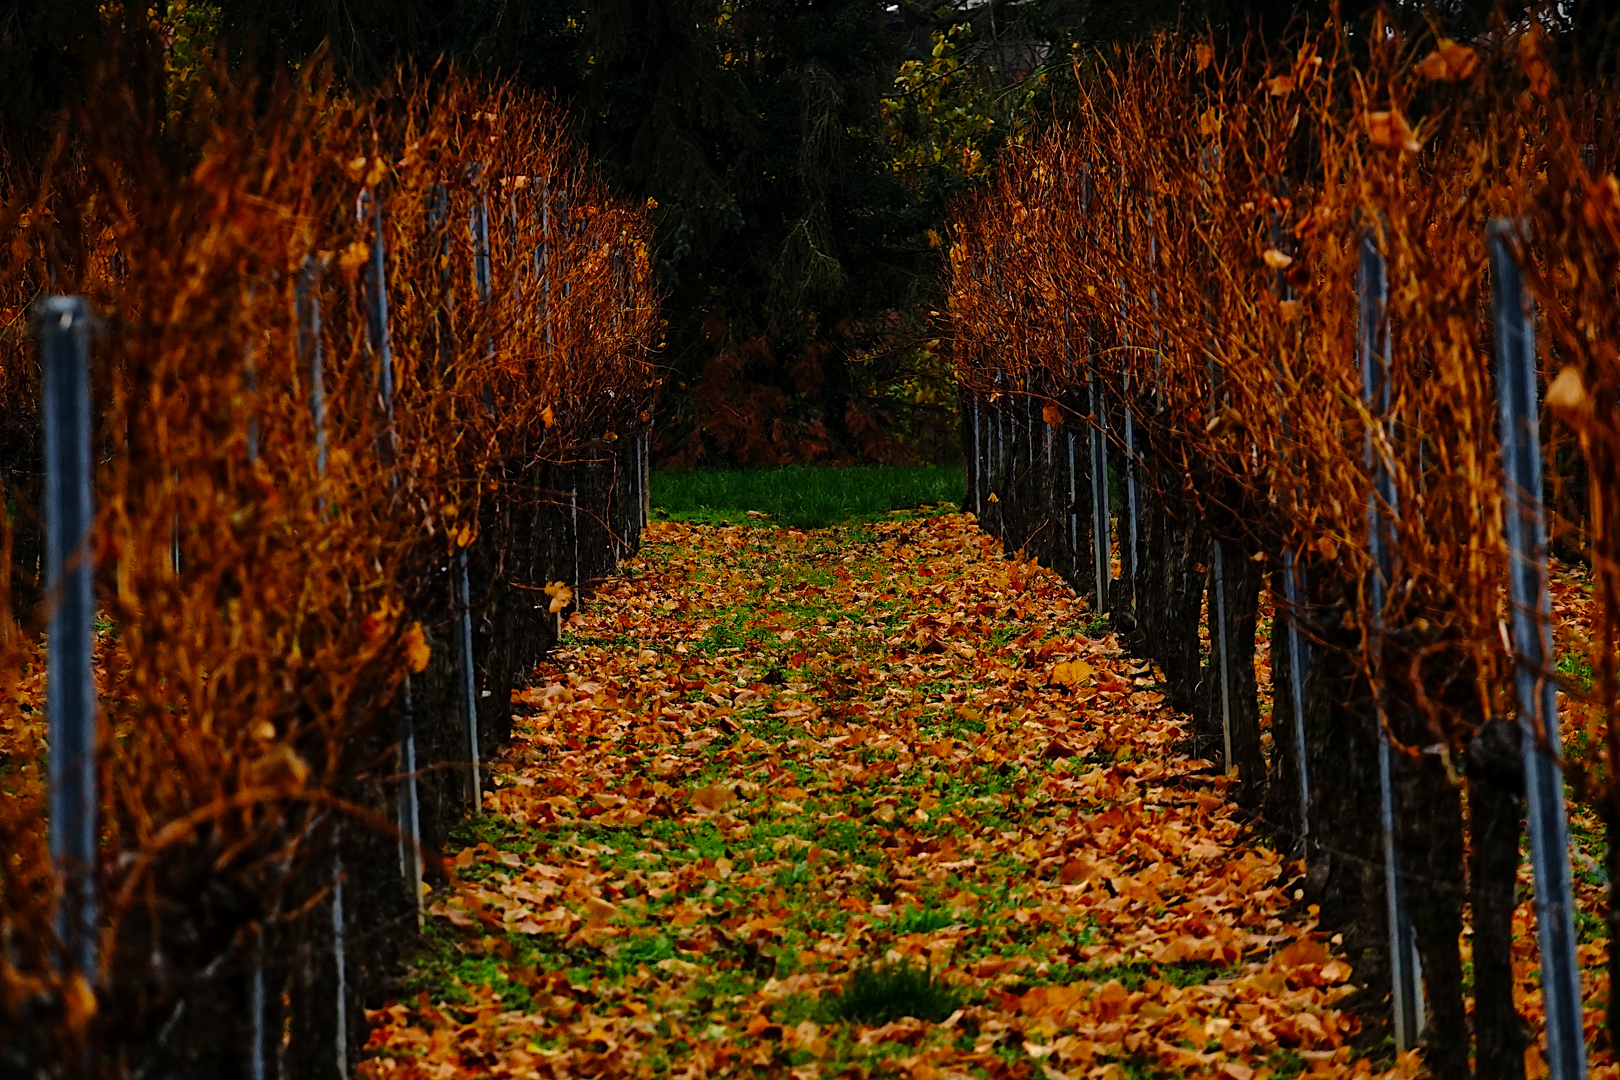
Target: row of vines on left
366,384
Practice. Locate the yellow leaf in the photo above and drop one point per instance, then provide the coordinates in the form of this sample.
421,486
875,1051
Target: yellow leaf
1450,62
1568,400
417,650
1389,129
561,596
547,417
1052,414
354,257
1209,123
1535,64
80,1003
279,767
1277,260
1072,672
1281,86
1205,55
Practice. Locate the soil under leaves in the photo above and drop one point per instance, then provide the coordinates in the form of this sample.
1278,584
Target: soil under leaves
769,760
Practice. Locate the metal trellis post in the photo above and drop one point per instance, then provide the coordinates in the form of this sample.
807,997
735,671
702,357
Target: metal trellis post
1526,529
1218,617
1074,508
70,686
1406,980
410,819
339,956
1101,521
308,304
1293,595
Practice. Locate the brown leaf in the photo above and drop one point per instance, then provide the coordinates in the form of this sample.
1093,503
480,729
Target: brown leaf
600,910
713,798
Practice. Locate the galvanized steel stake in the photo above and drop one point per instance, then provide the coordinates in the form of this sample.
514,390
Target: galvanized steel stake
1406,980
1526,529
1292,594
339,959
382,344
70,686
1218,617
469,682
1102,531
308,309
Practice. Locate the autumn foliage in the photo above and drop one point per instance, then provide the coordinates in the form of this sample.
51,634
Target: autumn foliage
272,571
1187,238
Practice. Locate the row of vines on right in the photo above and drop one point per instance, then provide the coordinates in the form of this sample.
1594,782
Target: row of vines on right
1231,338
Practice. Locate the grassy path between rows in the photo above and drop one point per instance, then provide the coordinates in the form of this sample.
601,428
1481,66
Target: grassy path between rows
869,801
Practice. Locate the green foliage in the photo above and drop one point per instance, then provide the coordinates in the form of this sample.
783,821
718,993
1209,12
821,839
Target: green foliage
799,496
945,113
924,920
1577,667
881,993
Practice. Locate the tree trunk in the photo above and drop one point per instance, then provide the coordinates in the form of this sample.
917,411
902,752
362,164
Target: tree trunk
1496,812
1174,584
1428,833
1282,804
1242,579
1344,859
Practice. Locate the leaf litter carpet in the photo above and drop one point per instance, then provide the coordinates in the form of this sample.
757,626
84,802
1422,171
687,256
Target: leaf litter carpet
765,760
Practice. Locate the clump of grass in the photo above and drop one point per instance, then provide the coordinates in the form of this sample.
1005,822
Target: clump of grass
920,921
881,993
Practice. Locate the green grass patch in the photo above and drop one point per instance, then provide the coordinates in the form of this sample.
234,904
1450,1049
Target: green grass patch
1576,669
883,993
803,496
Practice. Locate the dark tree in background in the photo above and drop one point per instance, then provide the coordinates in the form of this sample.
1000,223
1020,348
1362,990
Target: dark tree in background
796,262
802,155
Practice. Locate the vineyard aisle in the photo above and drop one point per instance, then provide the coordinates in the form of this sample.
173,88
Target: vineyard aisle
766,759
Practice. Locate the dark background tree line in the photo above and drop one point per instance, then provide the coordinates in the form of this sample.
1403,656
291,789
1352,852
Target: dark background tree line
801,154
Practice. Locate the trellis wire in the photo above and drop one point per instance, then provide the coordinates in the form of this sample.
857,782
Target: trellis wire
1525,526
